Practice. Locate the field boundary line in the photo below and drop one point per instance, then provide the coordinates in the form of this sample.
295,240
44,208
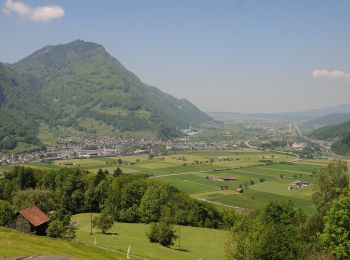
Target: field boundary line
116,251
201,184
175,174
221,204
282,170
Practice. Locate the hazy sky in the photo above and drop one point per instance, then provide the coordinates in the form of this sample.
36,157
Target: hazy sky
241,56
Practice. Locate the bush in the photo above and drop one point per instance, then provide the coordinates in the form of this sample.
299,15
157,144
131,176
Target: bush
103,222
268,234
153,233
129,215
335,236
6,212
162,232
56,229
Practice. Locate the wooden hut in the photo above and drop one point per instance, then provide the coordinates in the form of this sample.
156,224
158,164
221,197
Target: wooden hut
31,220
239,190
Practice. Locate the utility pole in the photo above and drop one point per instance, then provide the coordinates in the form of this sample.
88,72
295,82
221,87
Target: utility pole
179,238
90,219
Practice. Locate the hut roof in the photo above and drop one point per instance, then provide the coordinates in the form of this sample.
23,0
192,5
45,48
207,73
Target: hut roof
35,216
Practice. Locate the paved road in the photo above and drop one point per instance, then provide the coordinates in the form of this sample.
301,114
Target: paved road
319,142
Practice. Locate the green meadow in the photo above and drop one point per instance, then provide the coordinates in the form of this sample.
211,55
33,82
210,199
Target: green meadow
189,171
188,246
14,243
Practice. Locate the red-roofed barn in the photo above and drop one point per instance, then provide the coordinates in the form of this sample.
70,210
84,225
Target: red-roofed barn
31,220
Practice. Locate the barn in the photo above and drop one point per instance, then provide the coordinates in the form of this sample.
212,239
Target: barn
239,190
31,220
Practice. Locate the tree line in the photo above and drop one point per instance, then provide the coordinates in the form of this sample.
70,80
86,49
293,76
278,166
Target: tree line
124,197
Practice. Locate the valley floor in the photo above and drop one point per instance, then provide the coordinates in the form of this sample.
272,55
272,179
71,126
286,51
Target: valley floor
189,172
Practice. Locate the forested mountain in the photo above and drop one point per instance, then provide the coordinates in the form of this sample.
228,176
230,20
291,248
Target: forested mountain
20,108
339,133
80,79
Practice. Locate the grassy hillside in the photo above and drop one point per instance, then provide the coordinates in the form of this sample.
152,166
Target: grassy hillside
15,243
195,243
81,82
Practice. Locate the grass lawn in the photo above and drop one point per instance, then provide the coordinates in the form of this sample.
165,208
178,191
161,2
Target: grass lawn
196,243
255,196
22,147
39,165
46,135
15,243
253,199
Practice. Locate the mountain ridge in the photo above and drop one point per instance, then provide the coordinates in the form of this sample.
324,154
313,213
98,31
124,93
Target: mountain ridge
83,65
302,116
82,86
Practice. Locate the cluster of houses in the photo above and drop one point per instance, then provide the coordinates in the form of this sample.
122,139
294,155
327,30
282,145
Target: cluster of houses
298,185
92,146
35,156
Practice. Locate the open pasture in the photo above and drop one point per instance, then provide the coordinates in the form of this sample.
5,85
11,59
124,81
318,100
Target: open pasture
184,162
191,241
189,172
16,245
261,184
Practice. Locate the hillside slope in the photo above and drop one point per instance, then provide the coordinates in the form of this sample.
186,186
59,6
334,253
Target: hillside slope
80,81
20,109
20,244
339,133
331,119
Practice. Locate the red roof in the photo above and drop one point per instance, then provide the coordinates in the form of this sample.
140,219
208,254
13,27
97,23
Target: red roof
35,216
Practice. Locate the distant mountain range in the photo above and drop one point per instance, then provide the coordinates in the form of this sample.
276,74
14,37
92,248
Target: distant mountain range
335,121
79,84
302,116
331,119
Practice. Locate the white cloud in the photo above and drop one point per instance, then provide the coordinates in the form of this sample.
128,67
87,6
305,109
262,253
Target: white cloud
335,74
40,13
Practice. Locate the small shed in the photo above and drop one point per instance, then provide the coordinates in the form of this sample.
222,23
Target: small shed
239,190
31,220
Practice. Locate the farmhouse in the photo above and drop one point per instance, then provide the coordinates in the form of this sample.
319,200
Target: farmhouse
215,178
31,220
298,185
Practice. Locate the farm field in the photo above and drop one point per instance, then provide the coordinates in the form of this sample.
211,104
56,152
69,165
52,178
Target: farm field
256,193
134,235
189,172
14,243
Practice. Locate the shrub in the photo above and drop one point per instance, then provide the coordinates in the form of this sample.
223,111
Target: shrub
56,229
162,232
6,212
103,222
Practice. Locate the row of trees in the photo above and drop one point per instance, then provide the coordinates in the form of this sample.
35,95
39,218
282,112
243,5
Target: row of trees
124,197
281,231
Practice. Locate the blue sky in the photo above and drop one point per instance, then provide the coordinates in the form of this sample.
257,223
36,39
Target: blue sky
241,56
